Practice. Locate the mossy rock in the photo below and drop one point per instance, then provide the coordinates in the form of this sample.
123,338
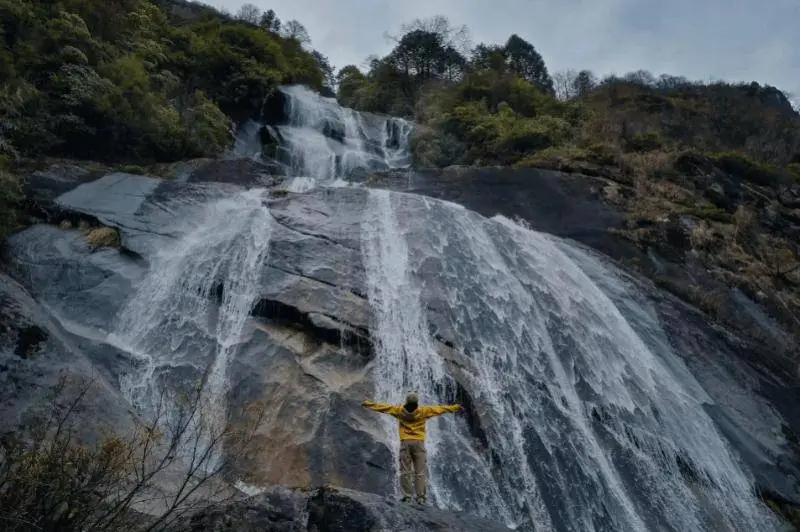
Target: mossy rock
709,212
133,169
103,237
602,153
794,172
740,165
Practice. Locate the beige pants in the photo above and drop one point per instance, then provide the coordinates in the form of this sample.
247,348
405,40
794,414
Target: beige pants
414,466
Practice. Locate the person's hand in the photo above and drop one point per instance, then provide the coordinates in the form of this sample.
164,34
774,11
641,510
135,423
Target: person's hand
460,409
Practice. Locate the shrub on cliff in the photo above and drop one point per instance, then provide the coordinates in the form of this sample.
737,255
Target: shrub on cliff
51,480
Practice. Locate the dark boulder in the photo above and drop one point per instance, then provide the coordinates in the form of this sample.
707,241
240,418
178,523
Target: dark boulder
273,112
328,510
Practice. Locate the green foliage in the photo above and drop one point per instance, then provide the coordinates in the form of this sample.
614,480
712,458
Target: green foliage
492,119
559,157
742,166
644,142
794,172
710,212
120,81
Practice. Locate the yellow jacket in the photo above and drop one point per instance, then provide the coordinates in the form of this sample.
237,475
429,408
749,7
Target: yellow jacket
412,424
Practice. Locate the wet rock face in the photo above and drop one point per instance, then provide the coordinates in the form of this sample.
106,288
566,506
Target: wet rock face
308,348
36,352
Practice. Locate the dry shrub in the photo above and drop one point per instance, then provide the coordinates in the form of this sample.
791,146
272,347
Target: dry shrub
646,165
49,480
667,190
103,237
603,127
702,236
780,257
744,220
612,194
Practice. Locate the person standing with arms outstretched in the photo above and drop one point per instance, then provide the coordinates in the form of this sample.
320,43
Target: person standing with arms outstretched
411,426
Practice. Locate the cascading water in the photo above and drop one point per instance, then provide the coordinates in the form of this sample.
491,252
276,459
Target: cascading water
247,142
591,424
586,419
406,357
322,142
187,315
326,141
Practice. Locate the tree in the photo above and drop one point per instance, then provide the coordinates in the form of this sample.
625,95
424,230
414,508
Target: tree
583,83
249,13
564,84
270,22
456,37
420,54
295,30
641,77
488,57
454,64
326,68
523,59
668,82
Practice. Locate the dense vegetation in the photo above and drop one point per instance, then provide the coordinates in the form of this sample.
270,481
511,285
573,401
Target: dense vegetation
135,80
498,104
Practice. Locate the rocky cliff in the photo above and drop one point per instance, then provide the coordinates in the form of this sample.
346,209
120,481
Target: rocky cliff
612,366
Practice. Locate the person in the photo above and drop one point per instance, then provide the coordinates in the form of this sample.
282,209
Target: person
411,418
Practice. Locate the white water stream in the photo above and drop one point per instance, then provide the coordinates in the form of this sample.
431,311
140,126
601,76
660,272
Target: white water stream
590,425
322,142
175,315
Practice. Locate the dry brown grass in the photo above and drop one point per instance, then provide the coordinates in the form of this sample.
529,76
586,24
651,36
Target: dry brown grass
643,166
702,236
103,237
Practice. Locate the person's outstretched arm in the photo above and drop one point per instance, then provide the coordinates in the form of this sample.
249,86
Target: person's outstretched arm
433,411
383,408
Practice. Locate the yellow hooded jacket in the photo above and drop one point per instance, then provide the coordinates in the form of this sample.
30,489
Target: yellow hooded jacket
411,424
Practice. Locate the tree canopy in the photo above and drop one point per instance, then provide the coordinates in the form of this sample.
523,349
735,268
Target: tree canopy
139,80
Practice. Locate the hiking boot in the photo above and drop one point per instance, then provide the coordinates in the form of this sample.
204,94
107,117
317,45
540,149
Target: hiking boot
422,501
406,499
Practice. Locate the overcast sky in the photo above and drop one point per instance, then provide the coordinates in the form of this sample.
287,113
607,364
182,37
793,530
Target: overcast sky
734,40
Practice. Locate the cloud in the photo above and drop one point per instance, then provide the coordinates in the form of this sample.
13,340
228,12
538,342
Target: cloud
734,40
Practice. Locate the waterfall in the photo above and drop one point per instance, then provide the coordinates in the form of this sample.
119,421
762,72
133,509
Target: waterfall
406,358
188,314
592,422
247,142
321,142
581,415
